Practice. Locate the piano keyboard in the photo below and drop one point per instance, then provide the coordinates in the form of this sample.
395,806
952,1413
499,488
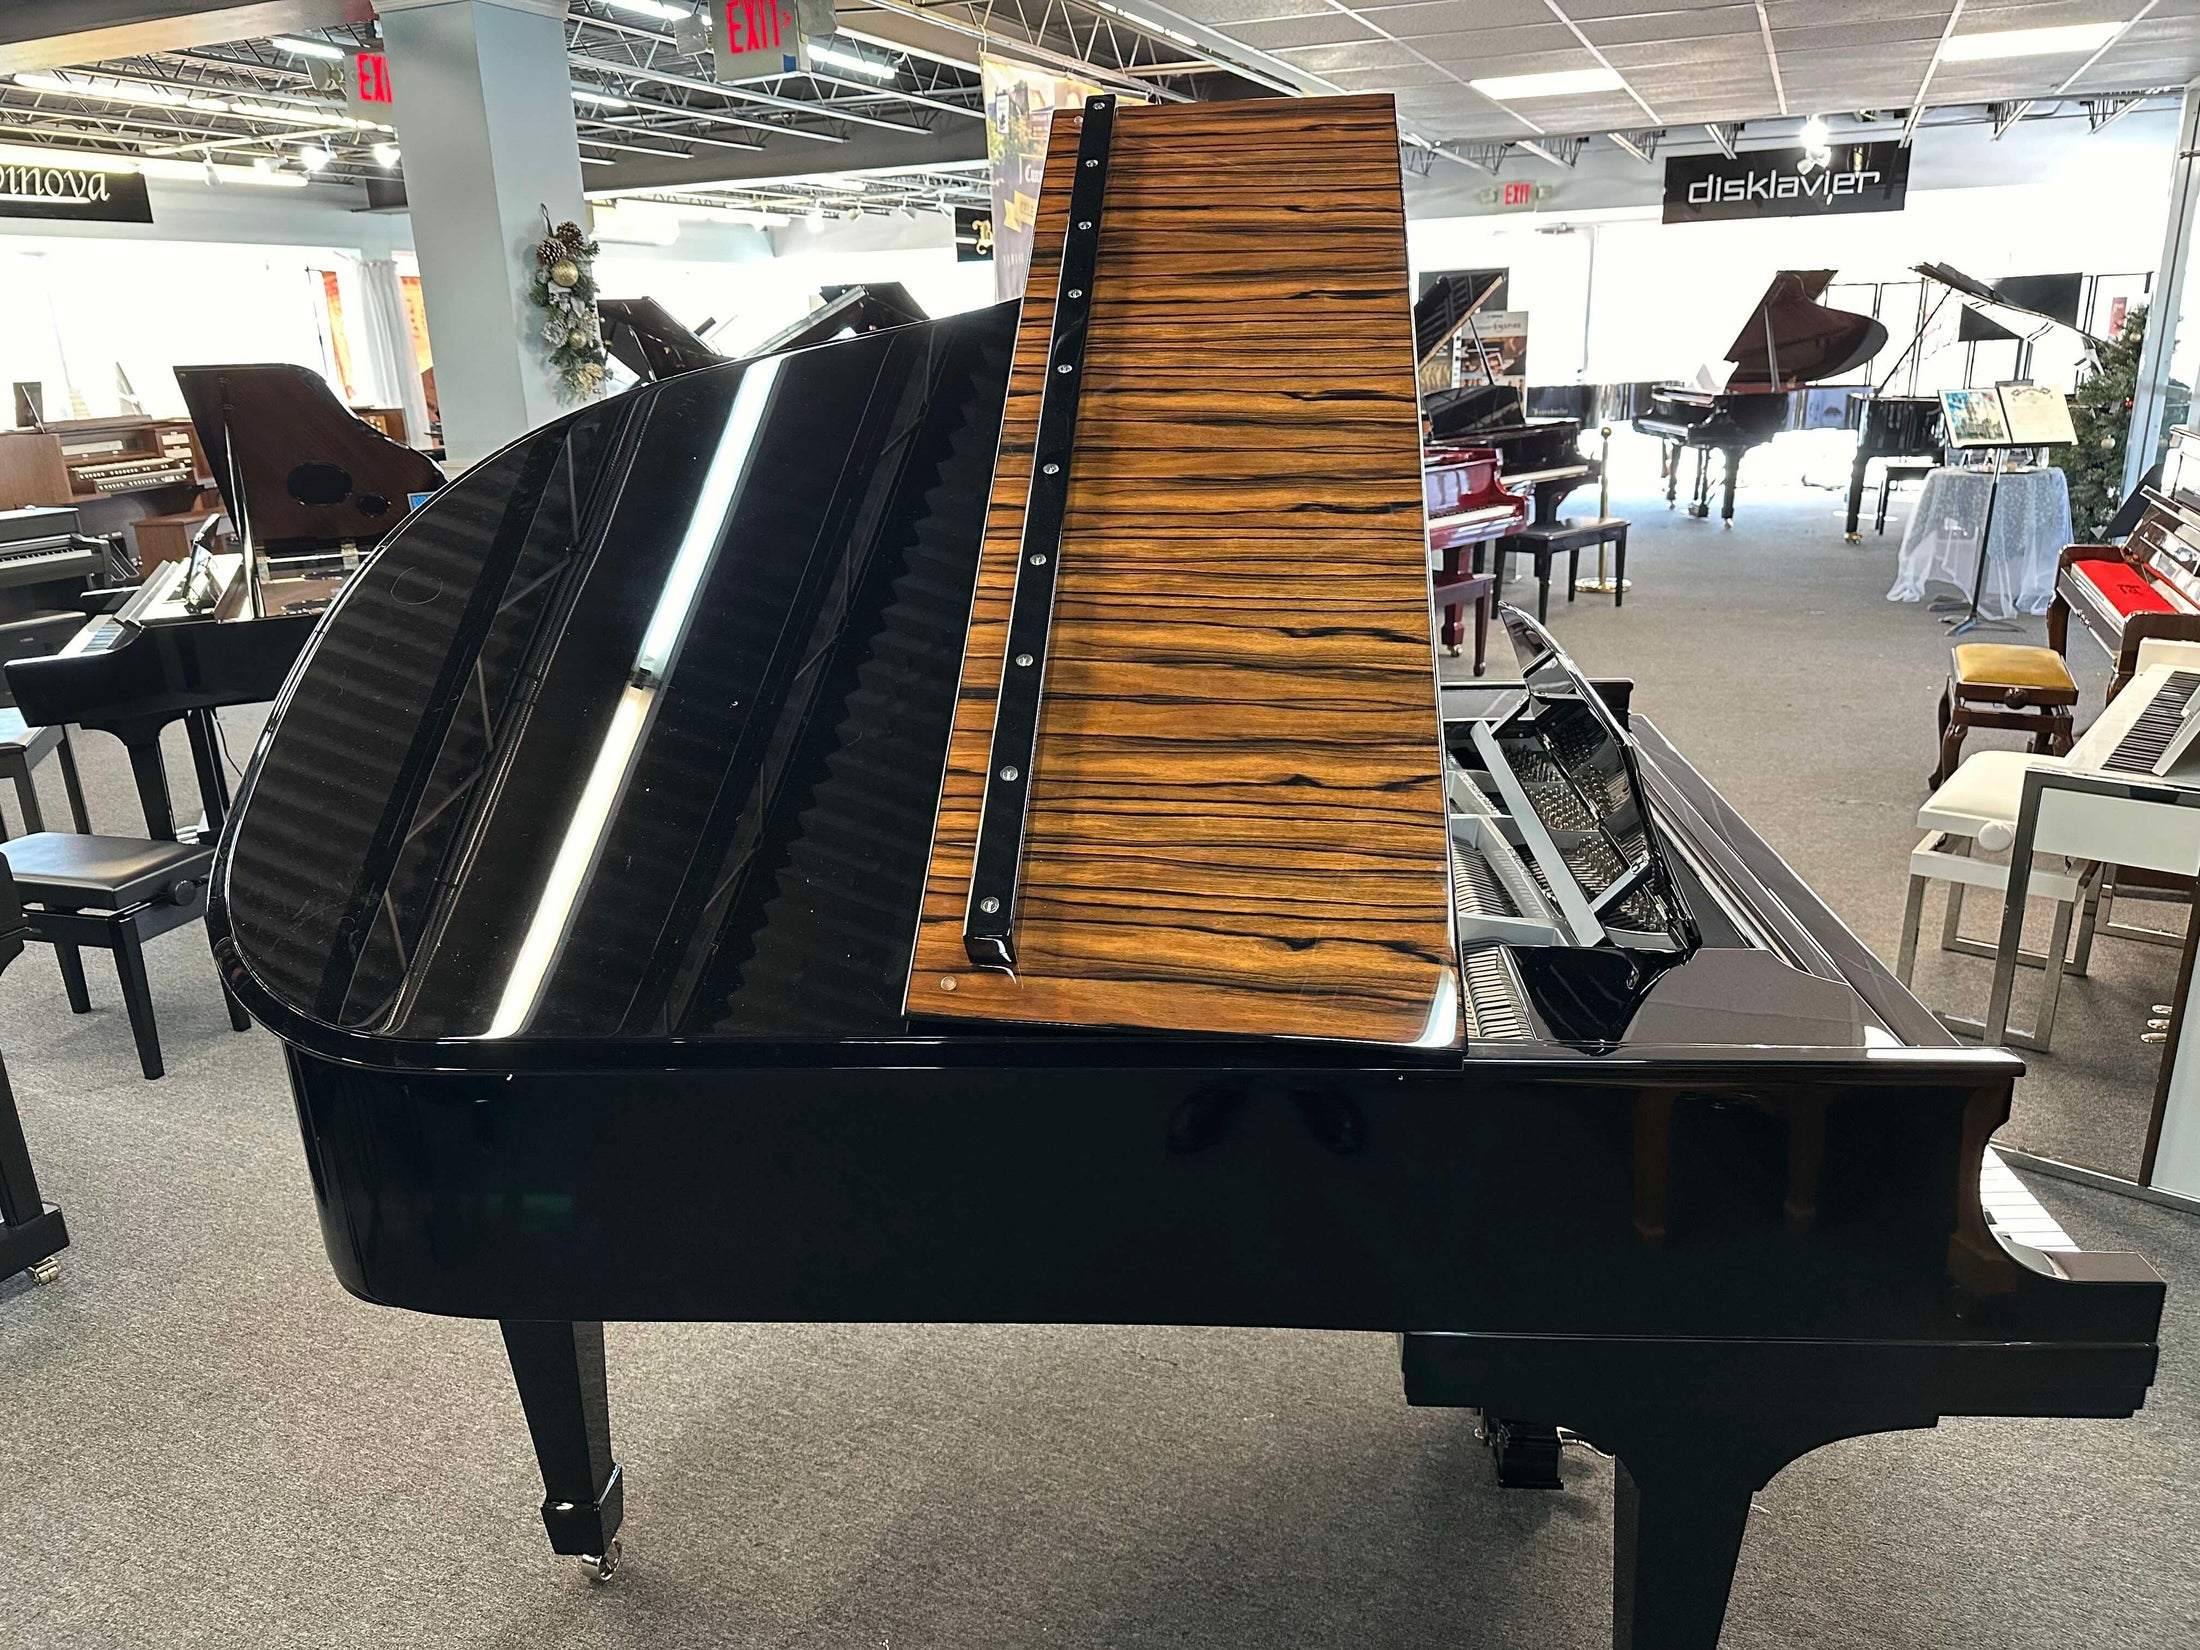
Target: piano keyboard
2015,1213
2144,742
131,475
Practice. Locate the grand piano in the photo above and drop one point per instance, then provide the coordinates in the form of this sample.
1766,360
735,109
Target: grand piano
1790,340
308,490
1539,457
959,824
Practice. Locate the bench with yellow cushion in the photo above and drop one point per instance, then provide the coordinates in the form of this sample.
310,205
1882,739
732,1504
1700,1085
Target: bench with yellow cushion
1995,685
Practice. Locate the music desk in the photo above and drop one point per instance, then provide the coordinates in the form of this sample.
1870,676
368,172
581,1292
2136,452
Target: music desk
1939,554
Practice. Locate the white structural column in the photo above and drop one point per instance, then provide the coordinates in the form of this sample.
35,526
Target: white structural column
2169,347
484,115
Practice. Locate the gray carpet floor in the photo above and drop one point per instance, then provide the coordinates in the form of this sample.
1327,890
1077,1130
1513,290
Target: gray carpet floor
207,1443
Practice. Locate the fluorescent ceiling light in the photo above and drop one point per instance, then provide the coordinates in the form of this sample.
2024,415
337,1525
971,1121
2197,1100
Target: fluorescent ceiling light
2070,39
651,8
308,48
122,91
599,100
853,62
1512,88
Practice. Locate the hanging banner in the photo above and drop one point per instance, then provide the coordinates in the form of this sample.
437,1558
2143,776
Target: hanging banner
973,235
66,192
1019,111
1771,183
755,37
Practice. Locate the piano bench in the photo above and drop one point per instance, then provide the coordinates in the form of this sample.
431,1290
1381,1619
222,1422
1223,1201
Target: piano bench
1993,685
22,748
1893,476
1568,538
1975,813
112,893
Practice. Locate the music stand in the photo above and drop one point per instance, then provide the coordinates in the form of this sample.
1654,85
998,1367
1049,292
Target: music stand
1979,420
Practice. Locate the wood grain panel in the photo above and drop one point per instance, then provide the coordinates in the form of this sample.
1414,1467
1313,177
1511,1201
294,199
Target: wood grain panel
1236,822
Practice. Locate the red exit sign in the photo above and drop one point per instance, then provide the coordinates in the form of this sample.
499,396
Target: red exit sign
367,86
1520,193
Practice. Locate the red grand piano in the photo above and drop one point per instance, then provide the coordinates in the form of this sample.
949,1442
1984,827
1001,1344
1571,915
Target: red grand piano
2149,585
1467,505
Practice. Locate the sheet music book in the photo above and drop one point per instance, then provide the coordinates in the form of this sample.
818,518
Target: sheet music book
2038,415
2014,414
1974,418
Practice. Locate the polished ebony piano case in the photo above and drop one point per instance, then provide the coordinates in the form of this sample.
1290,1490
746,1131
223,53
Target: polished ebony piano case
851,836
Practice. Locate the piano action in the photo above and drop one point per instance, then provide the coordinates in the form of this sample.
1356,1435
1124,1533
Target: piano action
674,778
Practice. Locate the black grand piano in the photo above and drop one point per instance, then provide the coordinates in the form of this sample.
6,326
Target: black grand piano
308,490
594,872
1538,456
1790,341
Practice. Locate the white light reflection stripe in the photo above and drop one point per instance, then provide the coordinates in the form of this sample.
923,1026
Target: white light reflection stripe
630,718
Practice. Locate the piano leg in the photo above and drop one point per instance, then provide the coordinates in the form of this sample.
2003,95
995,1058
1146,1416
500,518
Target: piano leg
559,1369
1733,457
1850,527
1677,1525
1700,505
1672,471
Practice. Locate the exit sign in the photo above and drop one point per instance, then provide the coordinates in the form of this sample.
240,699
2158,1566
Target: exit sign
1519,193
755,37
1516,194
367,87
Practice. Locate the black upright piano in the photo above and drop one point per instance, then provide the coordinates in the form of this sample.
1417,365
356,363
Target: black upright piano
1790,340
876,834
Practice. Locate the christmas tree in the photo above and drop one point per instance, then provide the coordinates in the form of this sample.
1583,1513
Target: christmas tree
2101,414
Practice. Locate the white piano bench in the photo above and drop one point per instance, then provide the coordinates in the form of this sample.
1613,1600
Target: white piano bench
1975,813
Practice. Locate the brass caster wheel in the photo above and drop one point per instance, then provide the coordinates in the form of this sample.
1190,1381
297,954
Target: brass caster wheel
603,1568
1852,538
44,1271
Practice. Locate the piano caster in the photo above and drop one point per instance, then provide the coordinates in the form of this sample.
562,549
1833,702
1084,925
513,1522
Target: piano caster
44,1271
1852,538
603,1566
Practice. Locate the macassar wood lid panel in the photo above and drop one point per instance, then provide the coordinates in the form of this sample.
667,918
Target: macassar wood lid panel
1235,819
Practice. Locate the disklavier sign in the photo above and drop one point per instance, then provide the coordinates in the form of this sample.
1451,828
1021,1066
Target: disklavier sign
65,192
1769,183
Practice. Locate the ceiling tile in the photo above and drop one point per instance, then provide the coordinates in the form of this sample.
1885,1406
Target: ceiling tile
1328,30
1222,13
1695,25
1464,14
1788,14
1494,44
1371,54
1415,77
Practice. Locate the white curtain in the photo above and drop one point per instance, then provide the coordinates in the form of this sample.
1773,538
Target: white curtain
390,347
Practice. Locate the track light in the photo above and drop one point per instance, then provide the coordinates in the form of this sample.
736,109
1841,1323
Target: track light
308,48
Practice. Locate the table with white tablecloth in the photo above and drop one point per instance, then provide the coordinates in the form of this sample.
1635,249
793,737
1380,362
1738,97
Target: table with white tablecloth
1940,546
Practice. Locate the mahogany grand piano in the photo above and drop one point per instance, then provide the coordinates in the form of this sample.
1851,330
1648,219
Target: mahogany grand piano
1467,505
959,824
1790,340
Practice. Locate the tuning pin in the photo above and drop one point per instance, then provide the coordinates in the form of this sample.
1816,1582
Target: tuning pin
2153,1036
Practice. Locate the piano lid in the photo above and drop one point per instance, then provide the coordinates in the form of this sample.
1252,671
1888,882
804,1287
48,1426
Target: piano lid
293,465
1235,818
847,309
1791,339
635,730
649,341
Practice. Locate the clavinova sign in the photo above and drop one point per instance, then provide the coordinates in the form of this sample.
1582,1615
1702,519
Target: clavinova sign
67,192
1771,183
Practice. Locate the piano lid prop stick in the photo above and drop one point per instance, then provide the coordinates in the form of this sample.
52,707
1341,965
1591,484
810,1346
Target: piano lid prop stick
1604,584
989,919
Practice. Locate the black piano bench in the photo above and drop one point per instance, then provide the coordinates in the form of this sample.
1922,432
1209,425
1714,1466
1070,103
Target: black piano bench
112,893
22,748
1567,538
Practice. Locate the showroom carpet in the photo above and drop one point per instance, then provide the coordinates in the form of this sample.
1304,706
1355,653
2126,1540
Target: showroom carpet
208,1444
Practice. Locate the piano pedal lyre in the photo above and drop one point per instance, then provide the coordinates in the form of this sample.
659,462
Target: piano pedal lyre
1525,1453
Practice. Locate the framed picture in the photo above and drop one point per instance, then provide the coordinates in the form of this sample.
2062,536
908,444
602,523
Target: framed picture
1974,418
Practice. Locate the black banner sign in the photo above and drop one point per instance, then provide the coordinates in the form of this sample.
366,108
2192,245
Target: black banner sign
1770,183
65,192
